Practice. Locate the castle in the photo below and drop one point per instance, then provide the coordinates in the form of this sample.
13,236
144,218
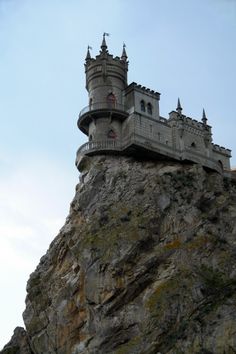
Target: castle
124,119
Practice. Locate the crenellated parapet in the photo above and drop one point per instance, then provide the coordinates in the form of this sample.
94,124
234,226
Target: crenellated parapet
142,100
143,89
221,150
125,119
106,75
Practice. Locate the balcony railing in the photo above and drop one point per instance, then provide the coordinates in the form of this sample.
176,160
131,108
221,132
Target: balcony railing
103,105
100,145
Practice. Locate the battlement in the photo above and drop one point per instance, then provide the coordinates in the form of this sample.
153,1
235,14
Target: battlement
188,120
221,149
112,67
125,119
142,89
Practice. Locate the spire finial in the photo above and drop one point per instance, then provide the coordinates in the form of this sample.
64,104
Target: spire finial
124,54
88,56
204,118
104,45
179,108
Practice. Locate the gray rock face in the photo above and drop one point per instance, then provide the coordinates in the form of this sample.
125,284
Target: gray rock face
19,343
145,263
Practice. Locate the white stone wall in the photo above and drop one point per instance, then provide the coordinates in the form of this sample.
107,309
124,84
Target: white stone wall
103,76
220,157
98,130
194,140
134,94
100,91
128,127
153,129
139,96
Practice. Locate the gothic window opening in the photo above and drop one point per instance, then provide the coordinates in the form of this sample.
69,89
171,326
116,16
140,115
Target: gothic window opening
111,134
111,100
90,103
149,108
142,106
221,165
193,145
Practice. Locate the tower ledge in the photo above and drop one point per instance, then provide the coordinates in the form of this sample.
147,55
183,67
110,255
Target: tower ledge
100,110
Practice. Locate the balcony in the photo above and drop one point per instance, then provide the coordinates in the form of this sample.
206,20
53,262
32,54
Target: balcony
100,110
97,146
129,144
101,106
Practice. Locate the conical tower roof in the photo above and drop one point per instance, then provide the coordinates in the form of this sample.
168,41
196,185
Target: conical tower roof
124,56
179,108
104,44
204,118
88,56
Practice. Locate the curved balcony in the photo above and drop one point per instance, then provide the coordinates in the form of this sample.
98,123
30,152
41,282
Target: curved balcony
103,105
95,146
101,110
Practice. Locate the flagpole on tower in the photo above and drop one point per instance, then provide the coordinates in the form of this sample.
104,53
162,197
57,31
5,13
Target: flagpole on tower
104,45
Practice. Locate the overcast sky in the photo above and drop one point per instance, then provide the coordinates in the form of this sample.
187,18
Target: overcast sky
181,48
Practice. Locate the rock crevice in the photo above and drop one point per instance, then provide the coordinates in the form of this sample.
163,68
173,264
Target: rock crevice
145,263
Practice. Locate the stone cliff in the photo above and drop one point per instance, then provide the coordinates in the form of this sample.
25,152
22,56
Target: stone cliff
145,263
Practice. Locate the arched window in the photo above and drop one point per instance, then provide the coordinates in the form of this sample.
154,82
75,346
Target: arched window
111,100
193,145
90,103
149,108
142,106
90,137
111,134
221,165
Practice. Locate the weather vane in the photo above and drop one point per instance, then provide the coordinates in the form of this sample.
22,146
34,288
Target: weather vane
106,34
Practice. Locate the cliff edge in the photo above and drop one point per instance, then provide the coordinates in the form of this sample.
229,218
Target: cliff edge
145,263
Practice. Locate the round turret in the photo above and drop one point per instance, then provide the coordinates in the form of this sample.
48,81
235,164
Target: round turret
106,80
106,75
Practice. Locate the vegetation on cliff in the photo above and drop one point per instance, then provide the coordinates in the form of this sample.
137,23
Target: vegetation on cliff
145,263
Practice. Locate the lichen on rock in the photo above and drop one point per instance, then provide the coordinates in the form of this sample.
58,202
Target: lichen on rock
19,343
145,263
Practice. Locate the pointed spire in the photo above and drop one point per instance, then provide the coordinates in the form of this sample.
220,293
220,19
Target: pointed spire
104,45
124,54
179,108
204,118
88,56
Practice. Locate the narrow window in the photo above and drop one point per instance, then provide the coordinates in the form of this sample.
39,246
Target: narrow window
221,165
111,100
149,108
142,106
90,103
193,145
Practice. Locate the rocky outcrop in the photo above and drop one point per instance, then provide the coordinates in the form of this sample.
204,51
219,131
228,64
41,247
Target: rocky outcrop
145,263
19,343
